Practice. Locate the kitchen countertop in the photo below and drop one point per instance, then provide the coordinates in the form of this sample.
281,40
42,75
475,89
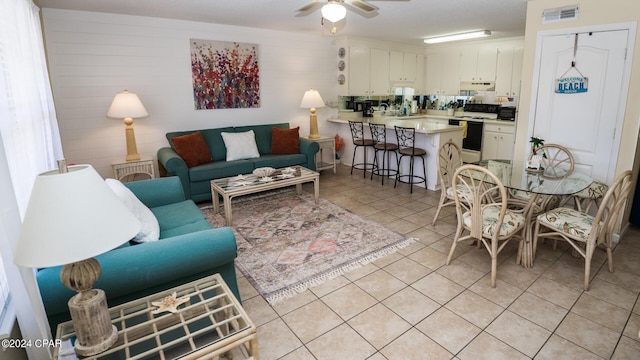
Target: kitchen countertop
421,124
431,114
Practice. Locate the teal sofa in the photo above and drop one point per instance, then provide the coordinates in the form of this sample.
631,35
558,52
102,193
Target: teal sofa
188,249
196,181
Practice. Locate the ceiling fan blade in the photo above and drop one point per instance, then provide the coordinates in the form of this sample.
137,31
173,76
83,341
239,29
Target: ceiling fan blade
362,5
309,8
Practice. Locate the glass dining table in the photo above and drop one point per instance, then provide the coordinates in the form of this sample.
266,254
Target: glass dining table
535,190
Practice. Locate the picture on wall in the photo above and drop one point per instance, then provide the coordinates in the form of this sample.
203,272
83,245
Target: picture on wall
225,75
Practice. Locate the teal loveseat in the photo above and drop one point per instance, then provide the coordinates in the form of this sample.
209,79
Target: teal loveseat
196,181
188,249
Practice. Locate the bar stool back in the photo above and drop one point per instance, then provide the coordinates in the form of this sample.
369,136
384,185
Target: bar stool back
407,143
360,141
380,144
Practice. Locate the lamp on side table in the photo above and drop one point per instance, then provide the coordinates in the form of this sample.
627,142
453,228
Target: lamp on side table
312,100
73,216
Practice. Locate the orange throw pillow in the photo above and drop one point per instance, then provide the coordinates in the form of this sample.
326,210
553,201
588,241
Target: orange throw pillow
285,141
192,149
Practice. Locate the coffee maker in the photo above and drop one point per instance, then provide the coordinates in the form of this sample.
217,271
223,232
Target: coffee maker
367,109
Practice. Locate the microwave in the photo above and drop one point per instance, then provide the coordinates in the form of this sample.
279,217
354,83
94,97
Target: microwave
507,113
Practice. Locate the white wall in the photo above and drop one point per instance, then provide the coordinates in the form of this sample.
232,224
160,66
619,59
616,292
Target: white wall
92,56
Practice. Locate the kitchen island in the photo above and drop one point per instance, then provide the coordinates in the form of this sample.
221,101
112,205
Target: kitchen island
430,135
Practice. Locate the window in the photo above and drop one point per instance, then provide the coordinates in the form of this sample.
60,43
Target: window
30,142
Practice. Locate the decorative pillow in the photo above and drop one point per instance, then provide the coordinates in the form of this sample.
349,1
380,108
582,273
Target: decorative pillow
192,149
150,229
240,145
285,141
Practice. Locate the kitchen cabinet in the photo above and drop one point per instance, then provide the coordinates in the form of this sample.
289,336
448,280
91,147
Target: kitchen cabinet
442,73
403,66
498,141
509,71
478,63
368,71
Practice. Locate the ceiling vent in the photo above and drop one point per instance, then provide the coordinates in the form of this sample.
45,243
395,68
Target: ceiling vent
566,13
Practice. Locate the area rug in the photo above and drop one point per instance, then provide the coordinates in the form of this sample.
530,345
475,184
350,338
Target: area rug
288,243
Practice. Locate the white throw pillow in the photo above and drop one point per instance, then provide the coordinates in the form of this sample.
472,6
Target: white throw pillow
240,145
150,229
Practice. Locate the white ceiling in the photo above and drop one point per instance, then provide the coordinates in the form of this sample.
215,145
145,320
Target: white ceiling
399,21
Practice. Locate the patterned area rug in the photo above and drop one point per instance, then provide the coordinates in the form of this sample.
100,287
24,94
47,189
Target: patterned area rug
287,242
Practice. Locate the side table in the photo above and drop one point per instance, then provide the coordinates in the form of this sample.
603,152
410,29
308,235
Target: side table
210,324
128,169
329,144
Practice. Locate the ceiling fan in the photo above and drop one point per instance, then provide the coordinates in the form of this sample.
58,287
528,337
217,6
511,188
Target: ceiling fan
335,10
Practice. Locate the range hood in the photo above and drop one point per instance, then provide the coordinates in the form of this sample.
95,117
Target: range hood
478,86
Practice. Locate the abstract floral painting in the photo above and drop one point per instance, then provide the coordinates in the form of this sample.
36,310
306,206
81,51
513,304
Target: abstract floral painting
225,75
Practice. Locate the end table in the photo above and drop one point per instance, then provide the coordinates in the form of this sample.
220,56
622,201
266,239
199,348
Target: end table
129,169
329,144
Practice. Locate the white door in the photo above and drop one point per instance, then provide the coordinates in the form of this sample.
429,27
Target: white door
587,123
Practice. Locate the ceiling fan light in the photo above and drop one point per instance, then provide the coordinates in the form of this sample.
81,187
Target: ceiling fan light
456,37
334,12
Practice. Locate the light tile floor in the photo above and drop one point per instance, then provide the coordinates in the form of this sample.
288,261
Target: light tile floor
410,305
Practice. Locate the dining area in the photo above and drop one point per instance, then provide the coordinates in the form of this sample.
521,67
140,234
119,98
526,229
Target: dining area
544,198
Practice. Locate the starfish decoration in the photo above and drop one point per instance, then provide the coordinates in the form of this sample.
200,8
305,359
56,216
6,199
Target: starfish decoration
169,303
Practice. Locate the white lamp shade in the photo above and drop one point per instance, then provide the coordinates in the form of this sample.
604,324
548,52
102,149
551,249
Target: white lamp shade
334,12
312,99
72,216
126,105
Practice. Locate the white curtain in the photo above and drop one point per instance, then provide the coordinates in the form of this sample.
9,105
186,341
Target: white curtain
30,145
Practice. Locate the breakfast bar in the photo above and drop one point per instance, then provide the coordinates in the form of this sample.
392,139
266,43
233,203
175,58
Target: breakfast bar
429,136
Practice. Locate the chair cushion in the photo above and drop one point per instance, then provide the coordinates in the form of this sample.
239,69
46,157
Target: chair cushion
511,223
463,192
594,191
413,152
192,149
285,141
569,221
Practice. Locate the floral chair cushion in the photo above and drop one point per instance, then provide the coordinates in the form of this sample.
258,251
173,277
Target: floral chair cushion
569,221
512,221
596,190
463,192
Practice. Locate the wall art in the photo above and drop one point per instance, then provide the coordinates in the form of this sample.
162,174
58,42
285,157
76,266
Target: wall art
225,75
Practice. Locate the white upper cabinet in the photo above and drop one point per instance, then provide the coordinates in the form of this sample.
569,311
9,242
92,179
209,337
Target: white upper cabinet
403,66
442,72
379,72
478,63
368,71
509,71
359,69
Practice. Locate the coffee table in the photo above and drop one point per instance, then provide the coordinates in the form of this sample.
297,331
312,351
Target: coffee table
210,324
234,186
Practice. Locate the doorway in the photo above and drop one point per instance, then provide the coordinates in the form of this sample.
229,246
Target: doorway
586,121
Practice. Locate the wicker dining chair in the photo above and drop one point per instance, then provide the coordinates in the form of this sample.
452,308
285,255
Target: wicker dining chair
585,232
485,216
449,160
559,161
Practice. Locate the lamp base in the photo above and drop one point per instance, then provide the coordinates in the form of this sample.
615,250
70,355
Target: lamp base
92,322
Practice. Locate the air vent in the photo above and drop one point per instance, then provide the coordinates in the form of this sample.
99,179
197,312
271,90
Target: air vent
567,13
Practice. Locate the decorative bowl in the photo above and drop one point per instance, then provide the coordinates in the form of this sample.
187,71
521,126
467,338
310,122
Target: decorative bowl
263,172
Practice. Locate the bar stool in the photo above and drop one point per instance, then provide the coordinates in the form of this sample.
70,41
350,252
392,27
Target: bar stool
359,141
407,143
380,144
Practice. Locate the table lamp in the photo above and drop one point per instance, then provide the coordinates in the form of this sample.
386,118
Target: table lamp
71,217
127,106
312,100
